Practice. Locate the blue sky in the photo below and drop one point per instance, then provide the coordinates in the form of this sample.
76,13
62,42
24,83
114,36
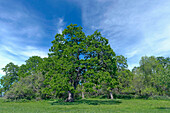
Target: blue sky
134,28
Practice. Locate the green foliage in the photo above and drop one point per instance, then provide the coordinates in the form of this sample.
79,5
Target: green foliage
11,76
31,66
27,88
121,63
125,78
152,76
66,51
88,60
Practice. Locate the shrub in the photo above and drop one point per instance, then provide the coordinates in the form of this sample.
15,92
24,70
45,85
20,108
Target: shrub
124,96
156,97
26,88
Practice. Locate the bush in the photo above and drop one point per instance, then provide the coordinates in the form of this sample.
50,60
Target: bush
103,97
19,91
142,97
124,96
28,88
156,97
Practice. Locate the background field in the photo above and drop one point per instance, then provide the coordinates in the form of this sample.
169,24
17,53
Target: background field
87,106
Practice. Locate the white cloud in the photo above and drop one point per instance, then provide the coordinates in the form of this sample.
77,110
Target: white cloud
20,34
32,51
18,55
131,53
60,25
134,28
60,30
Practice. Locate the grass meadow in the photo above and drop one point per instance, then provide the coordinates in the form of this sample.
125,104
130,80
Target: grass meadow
87,106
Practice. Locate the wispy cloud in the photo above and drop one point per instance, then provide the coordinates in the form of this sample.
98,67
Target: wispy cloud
22,34
60,25
18,31
18,54
134,28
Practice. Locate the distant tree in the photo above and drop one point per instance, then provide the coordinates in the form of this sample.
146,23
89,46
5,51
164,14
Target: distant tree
124,76
11,76
31,66
137,82
163,70
23,72
153,75
121,63
28,87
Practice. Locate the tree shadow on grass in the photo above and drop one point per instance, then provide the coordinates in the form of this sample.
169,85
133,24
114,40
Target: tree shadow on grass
163,108
88,102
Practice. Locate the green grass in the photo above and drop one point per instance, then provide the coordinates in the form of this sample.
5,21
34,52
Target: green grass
87,106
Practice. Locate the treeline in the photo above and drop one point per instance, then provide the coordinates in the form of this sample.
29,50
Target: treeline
152,77
80,66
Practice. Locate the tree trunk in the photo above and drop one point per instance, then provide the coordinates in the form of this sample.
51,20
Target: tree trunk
111,95
82,95
70,97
